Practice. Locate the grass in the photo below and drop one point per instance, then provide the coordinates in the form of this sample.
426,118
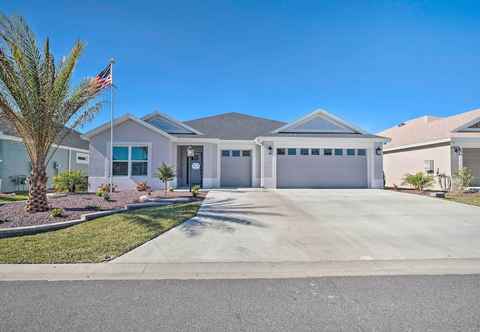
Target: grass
98,240
21,196
471,199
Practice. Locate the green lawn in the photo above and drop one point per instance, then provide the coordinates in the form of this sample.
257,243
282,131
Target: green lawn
97,240
18,197
472,199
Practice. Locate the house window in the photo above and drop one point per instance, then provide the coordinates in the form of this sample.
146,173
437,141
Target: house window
120,161
339,152
429,166
361,152
235,153
139,160
130,160
350,152
281,152
82,158
225,153
327,152
292,152
304,152
315,152
246,153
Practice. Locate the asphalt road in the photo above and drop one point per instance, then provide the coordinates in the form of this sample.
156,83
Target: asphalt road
403,303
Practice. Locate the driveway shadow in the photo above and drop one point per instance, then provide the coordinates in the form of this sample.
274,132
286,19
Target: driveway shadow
223,215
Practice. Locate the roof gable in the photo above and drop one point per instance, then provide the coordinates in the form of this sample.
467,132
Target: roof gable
472,125
122,119
320,121
168,124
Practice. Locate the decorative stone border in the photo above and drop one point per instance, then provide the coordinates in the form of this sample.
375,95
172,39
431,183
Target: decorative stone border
31,230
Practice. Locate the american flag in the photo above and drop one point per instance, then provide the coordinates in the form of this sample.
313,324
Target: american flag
103,78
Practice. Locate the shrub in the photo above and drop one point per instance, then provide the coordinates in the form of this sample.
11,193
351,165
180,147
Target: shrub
419,180
165,173
463,177
143,186
195,191
106,196
93,207
56,212
106,188
70,181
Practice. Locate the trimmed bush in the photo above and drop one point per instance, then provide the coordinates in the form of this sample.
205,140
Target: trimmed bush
70,181
419,180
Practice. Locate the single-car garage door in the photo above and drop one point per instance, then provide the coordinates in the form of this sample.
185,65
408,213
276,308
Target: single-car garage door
236,168
321,168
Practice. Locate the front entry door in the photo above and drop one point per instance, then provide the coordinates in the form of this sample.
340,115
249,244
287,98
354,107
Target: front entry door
196,167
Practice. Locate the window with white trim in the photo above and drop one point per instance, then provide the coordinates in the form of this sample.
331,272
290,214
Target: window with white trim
82,158
130,160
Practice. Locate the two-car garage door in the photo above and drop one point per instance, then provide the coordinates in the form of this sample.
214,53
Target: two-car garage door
321,168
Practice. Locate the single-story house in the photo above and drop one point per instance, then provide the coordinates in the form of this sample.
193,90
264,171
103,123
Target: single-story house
15,167
435,145
238,150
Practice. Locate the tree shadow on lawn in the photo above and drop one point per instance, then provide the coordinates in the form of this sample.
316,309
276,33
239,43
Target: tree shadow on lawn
159,219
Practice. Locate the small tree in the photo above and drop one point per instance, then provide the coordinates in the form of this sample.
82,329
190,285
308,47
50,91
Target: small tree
70,181
165,173
38,99
463,177
419,180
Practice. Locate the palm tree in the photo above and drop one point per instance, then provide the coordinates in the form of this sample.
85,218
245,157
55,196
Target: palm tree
37,99
165,173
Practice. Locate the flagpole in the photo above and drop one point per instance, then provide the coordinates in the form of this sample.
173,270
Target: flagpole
112,61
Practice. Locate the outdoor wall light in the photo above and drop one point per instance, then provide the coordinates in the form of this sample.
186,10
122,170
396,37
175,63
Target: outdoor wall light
190,152
270,149
378,151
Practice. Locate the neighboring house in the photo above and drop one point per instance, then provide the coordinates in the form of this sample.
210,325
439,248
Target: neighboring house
15,165
434,145
238,150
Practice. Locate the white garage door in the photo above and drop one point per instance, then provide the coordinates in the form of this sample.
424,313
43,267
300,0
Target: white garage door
321,168
236,168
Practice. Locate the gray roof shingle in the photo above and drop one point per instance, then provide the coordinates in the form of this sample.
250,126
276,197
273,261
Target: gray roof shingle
73,140
231,126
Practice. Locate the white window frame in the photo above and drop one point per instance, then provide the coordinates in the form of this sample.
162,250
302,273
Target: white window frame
129,146
84,155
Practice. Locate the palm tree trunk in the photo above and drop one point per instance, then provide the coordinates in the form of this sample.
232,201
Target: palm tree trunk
37,190
165,188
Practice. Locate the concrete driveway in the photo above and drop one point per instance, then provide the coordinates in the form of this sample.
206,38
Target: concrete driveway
315,225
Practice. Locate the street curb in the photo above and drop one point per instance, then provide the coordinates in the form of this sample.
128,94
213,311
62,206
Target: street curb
31,230
238,270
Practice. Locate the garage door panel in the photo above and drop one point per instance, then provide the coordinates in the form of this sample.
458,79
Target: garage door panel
321,171
236,171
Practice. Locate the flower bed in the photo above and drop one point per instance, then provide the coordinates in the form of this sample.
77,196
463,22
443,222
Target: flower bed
74,205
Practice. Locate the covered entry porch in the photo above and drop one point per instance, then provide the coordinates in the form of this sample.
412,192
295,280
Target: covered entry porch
189,169
467,153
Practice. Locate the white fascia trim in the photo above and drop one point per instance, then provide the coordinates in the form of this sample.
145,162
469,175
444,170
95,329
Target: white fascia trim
124,118
19,139
169,118
293,140
323,113
417,145
185,140
465,126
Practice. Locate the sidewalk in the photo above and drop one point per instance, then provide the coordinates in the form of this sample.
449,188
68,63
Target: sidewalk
109,271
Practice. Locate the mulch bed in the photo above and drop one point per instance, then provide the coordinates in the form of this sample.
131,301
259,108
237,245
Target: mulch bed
74,205
413,191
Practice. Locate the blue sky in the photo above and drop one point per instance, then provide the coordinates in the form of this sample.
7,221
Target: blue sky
374,63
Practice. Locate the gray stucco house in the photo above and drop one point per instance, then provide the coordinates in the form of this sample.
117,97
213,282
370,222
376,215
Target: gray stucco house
237,150
72,154
435,145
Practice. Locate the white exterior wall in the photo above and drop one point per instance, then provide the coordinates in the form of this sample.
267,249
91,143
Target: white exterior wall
398,163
